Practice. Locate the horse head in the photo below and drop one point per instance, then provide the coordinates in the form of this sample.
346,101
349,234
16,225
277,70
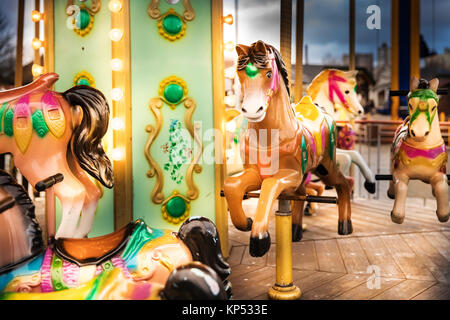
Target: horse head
336,91
422,107
259,69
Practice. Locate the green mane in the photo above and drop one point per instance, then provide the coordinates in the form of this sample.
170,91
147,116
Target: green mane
423,94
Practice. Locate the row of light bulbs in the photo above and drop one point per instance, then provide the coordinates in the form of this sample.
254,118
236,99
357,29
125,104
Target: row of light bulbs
37,69
117,123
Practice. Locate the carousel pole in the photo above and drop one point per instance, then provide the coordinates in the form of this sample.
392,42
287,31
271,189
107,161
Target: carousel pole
298,86
284,288
395,100
286,34
18,76
351,56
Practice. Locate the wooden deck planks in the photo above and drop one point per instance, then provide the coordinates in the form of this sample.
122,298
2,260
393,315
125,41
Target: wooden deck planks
379,255
334,287
364,292
436,292
355,259
303,256
405,290
328,256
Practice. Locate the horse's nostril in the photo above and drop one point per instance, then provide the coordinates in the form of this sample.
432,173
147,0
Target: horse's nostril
412,133
359,111
244,111
426,133
260,109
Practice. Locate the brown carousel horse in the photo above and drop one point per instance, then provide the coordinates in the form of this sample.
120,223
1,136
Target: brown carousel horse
136,262
304,142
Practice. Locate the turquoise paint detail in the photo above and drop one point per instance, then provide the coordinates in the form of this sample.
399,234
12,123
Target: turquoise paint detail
140,236
331,135
82,20
304,155
28,268
39,125
2,110
172,24
8,122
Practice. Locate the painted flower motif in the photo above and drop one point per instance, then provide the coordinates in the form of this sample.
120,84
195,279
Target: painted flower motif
178,150
346,138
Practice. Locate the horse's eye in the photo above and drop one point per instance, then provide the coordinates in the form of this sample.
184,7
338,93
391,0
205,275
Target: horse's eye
347,92
410,106
433,109
269,74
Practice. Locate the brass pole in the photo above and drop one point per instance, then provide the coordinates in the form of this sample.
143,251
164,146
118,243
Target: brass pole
286,34
351,56
218,69
284,288
394,57
18,76
298,89
415,39
49,37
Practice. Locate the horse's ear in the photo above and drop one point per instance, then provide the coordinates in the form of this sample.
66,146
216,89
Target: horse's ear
434,84
414,83
260,47
351,74
242,50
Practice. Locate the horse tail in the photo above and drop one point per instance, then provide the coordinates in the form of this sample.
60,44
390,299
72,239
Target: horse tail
86,139
200,235
194,281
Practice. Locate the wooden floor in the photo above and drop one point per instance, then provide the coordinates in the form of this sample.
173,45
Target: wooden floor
412,260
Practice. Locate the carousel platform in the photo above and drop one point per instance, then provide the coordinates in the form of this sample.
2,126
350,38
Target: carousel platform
380,260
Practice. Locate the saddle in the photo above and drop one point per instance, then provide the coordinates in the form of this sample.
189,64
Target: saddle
93,251
42,83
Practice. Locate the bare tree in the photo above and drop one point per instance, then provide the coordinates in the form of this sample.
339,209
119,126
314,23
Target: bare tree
7,50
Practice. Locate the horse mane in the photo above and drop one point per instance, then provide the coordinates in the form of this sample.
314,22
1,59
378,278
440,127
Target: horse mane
32,228
260,61
314,87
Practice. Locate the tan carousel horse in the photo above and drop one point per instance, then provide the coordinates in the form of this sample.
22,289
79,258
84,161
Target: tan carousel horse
50,132
304,142
419,152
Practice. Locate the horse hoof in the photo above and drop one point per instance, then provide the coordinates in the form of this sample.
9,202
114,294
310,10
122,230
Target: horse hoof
259,245
328,187
297,232
396,218
307,210
345,227
444,219
249,225
390,196
370,187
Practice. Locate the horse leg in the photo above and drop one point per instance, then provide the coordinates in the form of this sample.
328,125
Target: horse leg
357,159
297,216
439,183
400,184
271,188
234,189
331,175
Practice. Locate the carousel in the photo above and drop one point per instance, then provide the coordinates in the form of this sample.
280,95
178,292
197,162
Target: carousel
132,171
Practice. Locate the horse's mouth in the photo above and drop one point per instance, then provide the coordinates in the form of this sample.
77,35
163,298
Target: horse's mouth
256,118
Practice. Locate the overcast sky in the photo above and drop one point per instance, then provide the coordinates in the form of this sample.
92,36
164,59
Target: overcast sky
326,25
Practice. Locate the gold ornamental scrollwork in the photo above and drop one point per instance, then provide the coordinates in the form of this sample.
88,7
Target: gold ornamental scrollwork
73,11
176,29
155,106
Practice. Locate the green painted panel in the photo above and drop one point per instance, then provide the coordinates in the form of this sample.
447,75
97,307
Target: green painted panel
153,59
91,53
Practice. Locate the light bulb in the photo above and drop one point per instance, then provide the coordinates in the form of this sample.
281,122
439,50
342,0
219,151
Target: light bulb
115,34
117,124
117,154
231,126
36,43
116,64
228,19
37,70
36,16
116,94
229,46
115,5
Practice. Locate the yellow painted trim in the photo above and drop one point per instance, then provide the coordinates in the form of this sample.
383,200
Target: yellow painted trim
219,122
123,169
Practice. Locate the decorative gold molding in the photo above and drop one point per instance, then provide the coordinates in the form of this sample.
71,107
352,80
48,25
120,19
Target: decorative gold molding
170,80
168,36
167,216
155,106
95,8
86,75
153,9
189,13
193,191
